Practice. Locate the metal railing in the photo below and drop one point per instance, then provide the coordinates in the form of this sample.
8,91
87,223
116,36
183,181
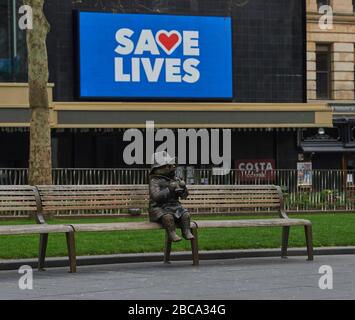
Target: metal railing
321,190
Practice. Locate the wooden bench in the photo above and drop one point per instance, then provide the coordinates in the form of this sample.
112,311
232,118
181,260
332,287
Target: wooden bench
16,199
250,200
203,199
97,198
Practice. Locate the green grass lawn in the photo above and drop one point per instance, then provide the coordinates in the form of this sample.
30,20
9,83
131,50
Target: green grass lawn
328,230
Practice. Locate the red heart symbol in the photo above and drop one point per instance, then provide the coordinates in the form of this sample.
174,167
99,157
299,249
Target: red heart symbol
168,41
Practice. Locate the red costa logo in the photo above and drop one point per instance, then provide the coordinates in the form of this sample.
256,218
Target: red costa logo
252,169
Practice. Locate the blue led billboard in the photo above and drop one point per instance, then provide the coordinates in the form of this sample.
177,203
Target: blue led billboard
154,56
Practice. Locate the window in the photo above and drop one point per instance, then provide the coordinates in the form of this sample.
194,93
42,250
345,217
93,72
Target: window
323,71
5,35
323,3
13,53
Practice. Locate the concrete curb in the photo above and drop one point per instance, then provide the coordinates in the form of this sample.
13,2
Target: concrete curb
176,256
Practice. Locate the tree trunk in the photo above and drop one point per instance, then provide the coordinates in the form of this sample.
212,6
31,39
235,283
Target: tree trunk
40,162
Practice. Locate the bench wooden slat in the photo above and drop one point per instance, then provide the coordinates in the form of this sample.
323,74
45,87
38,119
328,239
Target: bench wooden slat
93,198
23,188
91,193
93,208
235,190
130,202
231,186
113,204
144,206
225,186
17,197
34,229
234,195
232,200
103,195
234,205
119,226
47,198
92,186
18,208
235,199
17,203
88,188
16,193
251,223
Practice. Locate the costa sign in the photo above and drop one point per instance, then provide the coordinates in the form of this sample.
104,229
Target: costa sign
154,56
255,169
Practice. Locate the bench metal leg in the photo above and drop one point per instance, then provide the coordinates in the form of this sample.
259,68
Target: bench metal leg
309,242
43,240
167,248
284,245
194,247
71,251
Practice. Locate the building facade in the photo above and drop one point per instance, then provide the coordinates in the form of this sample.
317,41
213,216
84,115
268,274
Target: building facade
271,100
330,79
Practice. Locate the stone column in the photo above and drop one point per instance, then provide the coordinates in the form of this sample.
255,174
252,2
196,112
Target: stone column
343,71
311,70
312,6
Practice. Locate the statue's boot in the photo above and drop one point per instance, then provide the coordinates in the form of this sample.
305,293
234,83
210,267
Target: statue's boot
185,227
169,225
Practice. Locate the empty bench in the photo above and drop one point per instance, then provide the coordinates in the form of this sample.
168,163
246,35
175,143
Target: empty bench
249,200
25,199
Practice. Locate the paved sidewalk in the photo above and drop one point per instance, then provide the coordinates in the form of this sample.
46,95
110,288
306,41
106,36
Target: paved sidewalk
250,278
96,260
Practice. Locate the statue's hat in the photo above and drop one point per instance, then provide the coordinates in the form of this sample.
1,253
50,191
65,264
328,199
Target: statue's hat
161,159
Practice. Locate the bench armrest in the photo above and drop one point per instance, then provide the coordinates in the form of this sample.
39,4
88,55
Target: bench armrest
282,211
39,214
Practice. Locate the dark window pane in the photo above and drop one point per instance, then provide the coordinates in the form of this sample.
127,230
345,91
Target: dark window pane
323,3
20,54
322,86
5,36
13,51
323,71
323,62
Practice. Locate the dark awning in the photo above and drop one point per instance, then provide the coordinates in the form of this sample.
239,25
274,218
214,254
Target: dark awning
326,149
191,115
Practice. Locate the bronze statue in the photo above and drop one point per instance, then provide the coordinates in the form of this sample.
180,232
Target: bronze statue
165,190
